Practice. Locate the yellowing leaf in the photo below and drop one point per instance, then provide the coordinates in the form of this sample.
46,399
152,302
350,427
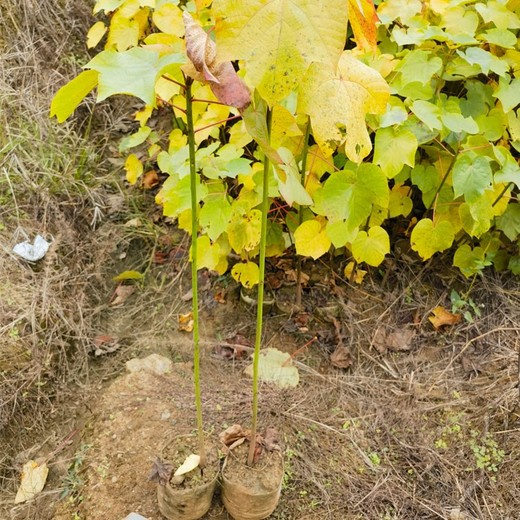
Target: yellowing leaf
208,254
275,367
72,94
428,238
192,461
278,39
359,274
311,239
371,247
168,19
34,476
94,35
362,17
246,274
244,231
128,275
337,102
123,34
134,168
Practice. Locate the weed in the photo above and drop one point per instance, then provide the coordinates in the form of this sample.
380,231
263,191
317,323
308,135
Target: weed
488,456
73,481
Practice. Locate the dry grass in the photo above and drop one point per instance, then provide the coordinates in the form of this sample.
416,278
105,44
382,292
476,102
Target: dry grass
47,186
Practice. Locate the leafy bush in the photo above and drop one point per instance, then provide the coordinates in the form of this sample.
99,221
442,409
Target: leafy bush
443,171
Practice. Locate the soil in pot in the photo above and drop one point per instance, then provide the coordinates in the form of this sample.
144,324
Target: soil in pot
187,498
252,493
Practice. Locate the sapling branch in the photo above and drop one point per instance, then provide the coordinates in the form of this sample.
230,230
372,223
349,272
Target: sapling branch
260,300
194,281
448,171
305,150
218,123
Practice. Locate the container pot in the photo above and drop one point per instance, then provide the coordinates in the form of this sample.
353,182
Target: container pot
251,493
192,498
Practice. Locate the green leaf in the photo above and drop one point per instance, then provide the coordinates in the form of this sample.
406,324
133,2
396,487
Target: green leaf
418,66
428,238
350,196
72,94
485,60
128,275
279,39
338,100
471,177
371,247
508,92
470,261
246,273
175,195
428,113
394,147
500,37
498,13
341,232
458,123
215,215
135,139
132,72
509,222
311,239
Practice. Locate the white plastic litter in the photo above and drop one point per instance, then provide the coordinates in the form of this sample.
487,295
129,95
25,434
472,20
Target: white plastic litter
134,516
32,252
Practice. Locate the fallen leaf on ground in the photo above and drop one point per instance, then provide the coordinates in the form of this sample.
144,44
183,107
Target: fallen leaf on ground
128,275
275,367
291,275
235,347
342,357
186,322
395,341
150,180
121,294
192,461
220,296
470,365
443,317
34,476
161,472
105,344
271,440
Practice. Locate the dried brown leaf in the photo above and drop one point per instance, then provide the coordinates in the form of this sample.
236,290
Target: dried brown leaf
161,472
121,294
232,434
342,357
150,180
222,77
442,317
395,341
186,322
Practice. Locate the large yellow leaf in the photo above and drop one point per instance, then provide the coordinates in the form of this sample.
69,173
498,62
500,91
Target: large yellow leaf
337,102
279,39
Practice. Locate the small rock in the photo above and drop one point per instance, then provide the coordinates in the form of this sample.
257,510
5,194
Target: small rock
153,364
165,416
134,516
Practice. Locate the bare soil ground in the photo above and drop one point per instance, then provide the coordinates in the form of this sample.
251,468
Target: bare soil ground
419,424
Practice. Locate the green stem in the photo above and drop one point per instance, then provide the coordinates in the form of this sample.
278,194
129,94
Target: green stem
502,193
194,281
260,300
448,171
300,214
